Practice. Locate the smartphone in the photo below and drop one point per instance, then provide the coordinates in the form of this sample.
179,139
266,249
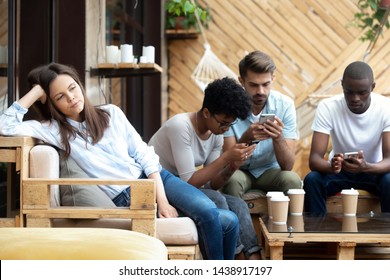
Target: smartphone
348,156
265,117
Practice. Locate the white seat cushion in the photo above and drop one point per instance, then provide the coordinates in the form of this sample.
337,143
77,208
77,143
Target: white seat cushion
171,231
177,231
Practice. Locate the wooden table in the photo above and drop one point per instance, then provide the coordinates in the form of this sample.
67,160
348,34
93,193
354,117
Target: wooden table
15,150
273,242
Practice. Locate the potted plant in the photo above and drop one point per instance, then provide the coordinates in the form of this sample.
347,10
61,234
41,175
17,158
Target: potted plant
370,16
180,14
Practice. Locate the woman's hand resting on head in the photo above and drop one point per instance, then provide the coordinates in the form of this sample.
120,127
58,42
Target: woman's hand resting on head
41,95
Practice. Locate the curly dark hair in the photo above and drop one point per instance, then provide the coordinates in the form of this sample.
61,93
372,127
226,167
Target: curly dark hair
226,96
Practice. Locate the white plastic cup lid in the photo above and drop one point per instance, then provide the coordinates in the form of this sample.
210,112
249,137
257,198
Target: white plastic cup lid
271,194
296,191
350,192
280,198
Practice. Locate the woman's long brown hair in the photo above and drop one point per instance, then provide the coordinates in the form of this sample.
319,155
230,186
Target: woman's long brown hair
96,119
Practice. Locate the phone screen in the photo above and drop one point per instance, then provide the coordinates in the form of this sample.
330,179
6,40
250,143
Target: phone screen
348,156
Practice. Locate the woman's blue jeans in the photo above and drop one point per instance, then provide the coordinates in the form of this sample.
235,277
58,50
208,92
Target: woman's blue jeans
318,186
247,241
217,228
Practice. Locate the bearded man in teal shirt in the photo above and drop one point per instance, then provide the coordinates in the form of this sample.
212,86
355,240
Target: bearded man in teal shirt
270,166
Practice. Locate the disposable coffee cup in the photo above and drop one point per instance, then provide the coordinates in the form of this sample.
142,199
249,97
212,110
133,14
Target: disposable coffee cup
349,224
269,195
350,200
279,205
297,197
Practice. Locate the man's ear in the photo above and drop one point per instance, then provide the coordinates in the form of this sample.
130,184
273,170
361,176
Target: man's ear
206,113
241,80
373,86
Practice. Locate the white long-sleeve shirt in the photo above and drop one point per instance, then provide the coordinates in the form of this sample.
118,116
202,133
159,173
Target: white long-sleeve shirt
120,154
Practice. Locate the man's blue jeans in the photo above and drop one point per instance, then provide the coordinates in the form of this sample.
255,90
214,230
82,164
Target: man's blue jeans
218,229
318,186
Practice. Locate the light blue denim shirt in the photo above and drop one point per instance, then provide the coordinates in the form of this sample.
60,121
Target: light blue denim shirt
264,157
120,154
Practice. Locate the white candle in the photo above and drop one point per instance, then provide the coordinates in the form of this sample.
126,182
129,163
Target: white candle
143,59
127,53
112,54
148,52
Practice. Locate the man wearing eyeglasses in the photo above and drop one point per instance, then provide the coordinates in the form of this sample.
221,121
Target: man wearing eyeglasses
190,146
269,168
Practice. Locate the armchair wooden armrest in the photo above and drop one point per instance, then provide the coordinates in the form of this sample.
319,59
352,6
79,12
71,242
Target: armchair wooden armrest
38,211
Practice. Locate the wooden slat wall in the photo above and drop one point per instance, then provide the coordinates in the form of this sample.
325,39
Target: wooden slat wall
3,23
308,39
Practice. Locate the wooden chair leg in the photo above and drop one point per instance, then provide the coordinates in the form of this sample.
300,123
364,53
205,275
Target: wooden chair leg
9,222
146,226
32,221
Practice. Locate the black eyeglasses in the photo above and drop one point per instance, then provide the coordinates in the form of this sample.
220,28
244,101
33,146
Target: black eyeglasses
223,124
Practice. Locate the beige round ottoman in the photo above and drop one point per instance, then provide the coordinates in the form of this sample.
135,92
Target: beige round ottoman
78,244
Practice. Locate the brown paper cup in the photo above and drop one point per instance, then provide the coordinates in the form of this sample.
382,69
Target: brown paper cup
350,200
297,197
269,195
279,205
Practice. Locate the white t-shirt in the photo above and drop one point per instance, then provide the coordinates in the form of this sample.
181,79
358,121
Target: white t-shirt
352,132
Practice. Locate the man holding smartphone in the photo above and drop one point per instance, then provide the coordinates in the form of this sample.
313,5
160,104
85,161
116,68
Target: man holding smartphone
358,125
269,167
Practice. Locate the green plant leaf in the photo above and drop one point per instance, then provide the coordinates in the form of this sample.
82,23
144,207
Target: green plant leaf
369,18
178,8
188,8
